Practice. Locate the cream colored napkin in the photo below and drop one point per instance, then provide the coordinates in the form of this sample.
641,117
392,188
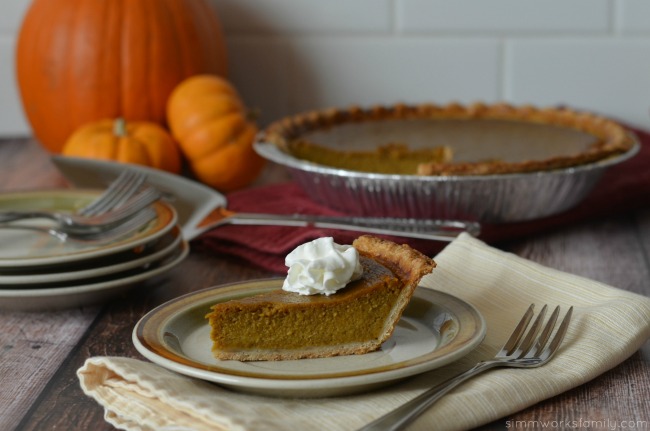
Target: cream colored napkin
608,326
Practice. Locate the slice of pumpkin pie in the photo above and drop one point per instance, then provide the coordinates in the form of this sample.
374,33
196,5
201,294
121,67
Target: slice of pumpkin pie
309,317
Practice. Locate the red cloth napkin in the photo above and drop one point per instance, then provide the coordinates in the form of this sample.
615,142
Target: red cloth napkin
623,188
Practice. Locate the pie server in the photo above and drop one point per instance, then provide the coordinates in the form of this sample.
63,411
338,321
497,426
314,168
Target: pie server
201,208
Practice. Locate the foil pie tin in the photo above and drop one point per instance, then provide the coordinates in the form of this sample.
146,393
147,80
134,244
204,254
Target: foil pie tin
490,199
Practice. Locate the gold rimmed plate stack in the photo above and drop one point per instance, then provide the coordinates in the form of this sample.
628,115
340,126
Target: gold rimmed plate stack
42,271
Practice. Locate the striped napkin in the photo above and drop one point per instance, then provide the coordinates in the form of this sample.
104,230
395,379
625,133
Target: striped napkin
608,326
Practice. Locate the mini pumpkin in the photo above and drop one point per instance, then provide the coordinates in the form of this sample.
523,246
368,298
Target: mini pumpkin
143,143
209,120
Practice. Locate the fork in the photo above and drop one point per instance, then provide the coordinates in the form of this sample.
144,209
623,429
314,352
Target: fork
117,192
78,224
120,190
128,227
522,350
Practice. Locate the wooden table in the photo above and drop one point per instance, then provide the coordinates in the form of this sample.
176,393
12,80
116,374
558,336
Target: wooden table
41,351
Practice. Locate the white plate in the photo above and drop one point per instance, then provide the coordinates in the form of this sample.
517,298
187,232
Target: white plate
92,268
27,248
81,293
192,200
436,329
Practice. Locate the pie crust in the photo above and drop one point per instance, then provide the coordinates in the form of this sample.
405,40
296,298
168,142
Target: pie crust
292,135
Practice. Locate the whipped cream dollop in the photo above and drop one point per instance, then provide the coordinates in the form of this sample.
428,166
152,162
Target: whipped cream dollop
321,267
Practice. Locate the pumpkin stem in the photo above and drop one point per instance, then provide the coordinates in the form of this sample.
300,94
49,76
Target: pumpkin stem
119,127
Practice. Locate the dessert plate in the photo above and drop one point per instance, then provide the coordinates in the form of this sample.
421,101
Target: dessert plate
88,292
192,200
28,248
92,268
435,329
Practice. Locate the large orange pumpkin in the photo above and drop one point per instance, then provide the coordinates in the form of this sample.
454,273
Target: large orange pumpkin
80,61
139,142
210,122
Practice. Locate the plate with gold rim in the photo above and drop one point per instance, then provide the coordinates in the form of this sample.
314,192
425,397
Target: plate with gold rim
140,257
20,248
435,329
89,291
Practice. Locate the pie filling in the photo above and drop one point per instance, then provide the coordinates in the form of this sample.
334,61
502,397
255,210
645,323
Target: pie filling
357,319
261,323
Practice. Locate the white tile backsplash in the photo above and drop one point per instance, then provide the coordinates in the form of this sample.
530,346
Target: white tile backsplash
607,76
259,71
634,17
504,16
12,16
335,72
12,121
306,17
292,55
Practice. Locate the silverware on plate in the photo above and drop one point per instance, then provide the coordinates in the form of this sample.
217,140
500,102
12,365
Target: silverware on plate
73,223
524,349
92,238
116,194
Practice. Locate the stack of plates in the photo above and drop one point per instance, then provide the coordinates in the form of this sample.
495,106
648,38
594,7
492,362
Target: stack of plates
40,271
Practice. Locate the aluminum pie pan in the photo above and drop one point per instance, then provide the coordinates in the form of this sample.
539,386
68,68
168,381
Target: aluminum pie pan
490,199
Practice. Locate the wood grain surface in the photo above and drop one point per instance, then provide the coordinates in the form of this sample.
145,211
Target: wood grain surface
40,352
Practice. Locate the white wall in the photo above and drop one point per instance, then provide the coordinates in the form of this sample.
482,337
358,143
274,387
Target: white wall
292,55
12,121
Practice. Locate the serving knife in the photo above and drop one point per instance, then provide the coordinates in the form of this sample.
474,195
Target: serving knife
201,208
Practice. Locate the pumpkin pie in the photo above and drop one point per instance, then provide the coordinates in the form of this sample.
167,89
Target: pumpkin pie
357,319
452,139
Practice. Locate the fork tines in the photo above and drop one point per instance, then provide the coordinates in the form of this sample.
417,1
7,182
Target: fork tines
532,340
117,193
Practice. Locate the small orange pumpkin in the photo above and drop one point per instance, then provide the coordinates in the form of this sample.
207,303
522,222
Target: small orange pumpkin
142,143
208,119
